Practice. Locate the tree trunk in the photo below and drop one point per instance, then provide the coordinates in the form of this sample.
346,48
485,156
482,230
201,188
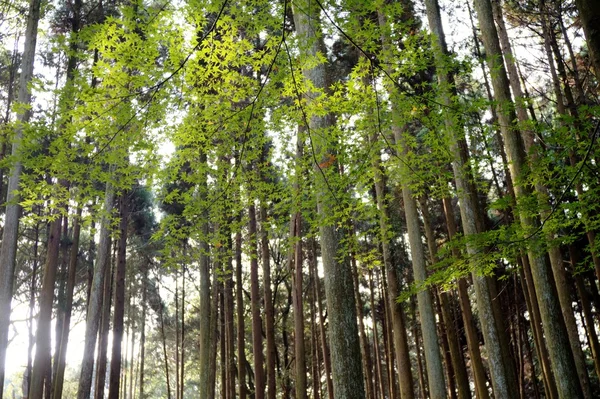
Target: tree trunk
241,331
42,352
298,303
398,328
32,296
204,312
345,347
312,259
119,307
269,309
364,343
257,343
143,333
96,294
8,247
101,361
57,385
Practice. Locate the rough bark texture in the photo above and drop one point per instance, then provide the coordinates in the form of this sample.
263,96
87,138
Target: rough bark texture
8,248
345,347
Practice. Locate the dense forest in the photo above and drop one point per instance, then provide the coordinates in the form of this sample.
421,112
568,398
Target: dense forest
349,199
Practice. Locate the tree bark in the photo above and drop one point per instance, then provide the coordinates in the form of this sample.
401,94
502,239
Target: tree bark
119,307
42,352
96,294
257,342
345,347
241,331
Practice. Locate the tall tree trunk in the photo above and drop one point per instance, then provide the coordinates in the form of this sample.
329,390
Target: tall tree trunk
164,348
42,362
398,328
378,356
101,361
32,296
205,311
296,260
433,359
119,307
94,310
257,343
143,333
57,385
456,363
312,259
8,248
345,347
268,301
298,303
364,343
241,331
481,389
563,364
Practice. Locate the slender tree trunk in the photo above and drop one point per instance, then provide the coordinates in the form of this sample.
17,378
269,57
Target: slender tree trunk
241,331
257,343
32,296
269,308
364,343
378,357
143,333
205,311
57,386
481,389
8,248
298,303
104,330
96,294
457,370
214,326
399,330
345,347
324,348
435,370
42,353
119,309
164,348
